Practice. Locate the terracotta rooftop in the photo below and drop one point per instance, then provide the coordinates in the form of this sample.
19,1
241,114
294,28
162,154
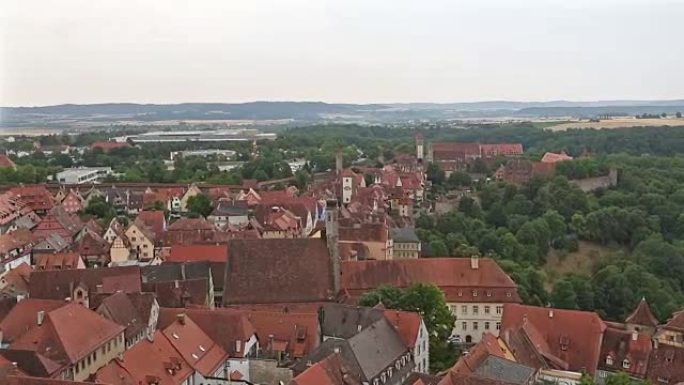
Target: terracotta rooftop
489,345
200,351
119,308
223,326
6,162
642,315
191,253
300,271
155,220
666,365
676,322
551,157
24,315
57,261
619,345
146,360
68,334
58,284
455,276
330,371
549,337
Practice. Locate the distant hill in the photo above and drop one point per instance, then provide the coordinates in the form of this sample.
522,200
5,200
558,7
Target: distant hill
68,115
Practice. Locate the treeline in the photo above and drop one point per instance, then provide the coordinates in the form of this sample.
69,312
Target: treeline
643,218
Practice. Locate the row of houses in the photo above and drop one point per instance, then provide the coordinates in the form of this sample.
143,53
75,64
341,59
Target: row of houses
549,345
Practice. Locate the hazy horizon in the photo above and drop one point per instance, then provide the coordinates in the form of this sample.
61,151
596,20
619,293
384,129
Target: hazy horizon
360,52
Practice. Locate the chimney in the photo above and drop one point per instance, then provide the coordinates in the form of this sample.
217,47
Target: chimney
40,317
474,262
338,160
180,317
332,238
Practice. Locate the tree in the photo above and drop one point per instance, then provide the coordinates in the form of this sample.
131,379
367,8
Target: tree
301,179
459,179
101,209
438,248
429,301
200,204
469,207
435,174
564,295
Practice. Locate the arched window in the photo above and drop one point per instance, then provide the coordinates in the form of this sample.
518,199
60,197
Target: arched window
469,339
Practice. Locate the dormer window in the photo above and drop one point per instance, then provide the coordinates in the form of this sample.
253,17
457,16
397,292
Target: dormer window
626,364
609,360
474,293
460,293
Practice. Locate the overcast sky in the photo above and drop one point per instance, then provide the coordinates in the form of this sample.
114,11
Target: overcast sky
169,51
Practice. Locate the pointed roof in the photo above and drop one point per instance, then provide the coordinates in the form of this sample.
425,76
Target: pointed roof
642,315
676,322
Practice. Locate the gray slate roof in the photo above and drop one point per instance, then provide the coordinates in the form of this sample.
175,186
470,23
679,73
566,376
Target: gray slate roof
500,369
405,235
345,321
367,353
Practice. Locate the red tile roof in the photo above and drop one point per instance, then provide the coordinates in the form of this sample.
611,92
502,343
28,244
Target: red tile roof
6,162
666,365
155,220
223,326
24,315
553,334
192,253
620,345
551,157
119,308
278,270
455,276
676,323
57,284
296,333
68,334
406,323
38,198
501,149
488,346
642,315
146,360
329,371
200,351
58,261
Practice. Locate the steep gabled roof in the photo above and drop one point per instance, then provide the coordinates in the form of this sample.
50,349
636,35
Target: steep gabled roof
553,337
676,322
157,358
120,309
330,371
223,326
642,315
68,334
24,315
200,351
